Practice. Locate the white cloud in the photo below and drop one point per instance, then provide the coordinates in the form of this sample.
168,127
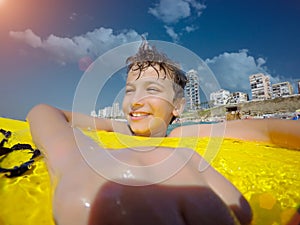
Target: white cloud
190,29
65,49
171,11
232,70
28,37
170,31
198,7
260,61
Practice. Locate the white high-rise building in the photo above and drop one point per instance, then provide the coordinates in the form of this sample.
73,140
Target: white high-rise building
238,97
105,112
260,86
220,97
93,113
192,91
113,111
282,89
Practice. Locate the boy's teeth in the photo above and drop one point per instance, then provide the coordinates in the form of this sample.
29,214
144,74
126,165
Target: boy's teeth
138,114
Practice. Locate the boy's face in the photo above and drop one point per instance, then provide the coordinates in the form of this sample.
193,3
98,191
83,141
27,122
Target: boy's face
149,102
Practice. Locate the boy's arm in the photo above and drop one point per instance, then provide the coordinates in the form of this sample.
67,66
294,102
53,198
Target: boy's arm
46,112
88,122
284,133
51,130
47,124
52,133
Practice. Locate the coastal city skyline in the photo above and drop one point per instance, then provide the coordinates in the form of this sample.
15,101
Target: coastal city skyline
260,85
47,47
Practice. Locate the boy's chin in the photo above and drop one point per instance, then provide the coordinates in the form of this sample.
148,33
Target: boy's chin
153,128
140,130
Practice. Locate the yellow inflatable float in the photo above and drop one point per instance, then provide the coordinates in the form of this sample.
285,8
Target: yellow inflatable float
268,176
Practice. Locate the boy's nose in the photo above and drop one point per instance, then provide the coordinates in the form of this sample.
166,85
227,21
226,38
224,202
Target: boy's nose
137,104
138,100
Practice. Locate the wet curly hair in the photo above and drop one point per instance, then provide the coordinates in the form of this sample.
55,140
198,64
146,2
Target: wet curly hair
148,56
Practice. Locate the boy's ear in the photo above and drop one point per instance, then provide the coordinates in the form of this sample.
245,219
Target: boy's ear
179,107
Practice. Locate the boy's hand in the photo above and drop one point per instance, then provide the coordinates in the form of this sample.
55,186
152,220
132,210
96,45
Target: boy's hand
159,205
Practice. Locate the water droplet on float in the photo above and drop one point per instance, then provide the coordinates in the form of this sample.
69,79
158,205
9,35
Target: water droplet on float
128,175
85,203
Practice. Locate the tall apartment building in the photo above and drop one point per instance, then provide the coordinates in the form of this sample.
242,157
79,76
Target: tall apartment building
260,86
220,97
282,89
238,97
113,111
192,91
105,112
116,111
93,113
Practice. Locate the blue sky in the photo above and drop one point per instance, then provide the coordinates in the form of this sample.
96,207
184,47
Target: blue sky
44,45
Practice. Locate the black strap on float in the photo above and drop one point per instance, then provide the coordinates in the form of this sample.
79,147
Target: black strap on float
17,170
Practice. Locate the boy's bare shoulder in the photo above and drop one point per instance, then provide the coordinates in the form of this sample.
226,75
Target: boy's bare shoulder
196,130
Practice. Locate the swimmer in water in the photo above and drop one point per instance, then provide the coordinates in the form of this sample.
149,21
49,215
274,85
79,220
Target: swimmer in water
153,99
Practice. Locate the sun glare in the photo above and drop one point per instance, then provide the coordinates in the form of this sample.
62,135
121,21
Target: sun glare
2,2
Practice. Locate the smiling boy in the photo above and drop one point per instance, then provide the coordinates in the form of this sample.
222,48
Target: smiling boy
153,99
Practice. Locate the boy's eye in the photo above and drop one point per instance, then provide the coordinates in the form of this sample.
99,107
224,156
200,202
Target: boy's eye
128,91
152,89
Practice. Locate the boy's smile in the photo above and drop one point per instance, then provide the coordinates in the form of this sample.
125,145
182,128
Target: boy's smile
138,115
